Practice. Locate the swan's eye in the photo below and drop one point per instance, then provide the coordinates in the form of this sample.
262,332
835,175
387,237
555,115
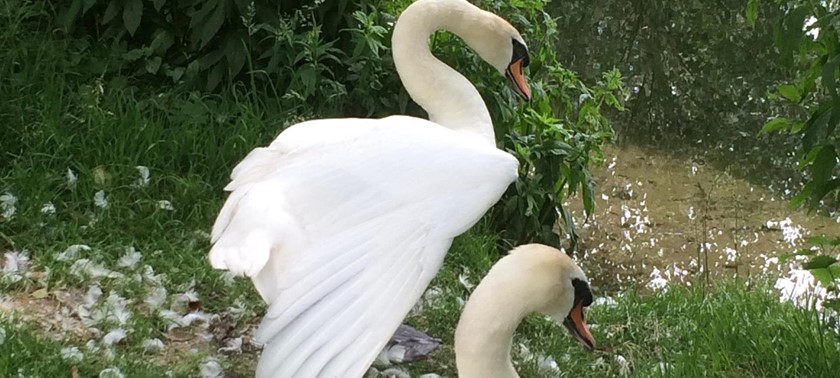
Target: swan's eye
582,292
520,52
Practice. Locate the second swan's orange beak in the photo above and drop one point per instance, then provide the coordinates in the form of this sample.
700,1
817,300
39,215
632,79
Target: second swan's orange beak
574,322
514,73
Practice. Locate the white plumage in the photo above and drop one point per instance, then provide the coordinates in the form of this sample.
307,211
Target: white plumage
342,235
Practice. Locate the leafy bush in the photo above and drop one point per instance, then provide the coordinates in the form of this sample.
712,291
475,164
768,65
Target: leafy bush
812,51
555,149
808,38
556,137
294,49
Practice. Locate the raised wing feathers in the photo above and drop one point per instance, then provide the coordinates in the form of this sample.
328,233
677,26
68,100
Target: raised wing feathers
342,225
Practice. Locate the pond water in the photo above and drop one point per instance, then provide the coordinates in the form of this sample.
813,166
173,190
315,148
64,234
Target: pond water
660,219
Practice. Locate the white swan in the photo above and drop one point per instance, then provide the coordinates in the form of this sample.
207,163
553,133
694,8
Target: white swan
342,223
532,278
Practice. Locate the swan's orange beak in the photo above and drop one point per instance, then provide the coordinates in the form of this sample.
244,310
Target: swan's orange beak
574,322
514,73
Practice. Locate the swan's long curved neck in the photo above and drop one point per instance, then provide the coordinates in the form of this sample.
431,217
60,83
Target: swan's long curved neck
449,98
484,335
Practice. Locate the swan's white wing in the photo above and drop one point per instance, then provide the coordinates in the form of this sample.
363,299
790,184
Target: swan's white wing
342,225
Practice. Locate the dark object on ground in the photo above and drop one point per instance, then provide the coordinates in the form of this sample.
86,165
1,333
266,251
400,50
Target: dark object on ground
407,345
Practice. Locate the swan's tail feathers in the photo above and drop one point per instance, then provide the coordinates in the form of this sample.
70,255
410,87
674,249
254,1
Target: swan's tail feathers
242,255
253,222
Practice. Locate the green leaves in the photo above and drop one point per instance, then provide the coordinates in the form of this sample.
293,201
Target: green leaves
132,14
790,92
208,21
69,15
152,65
824,266
827,275
202,43
815,92
821,162
819,262
158,4
799,252
823,240
752,12
789,33
775,124
111,11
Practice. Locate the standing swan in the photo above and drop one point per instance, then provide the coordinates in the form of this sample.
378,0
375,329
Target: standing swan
342,223
532,278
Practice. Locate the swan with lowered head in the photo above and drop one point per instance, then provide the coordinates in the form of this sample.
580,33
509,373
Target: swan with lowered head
532,278
342,223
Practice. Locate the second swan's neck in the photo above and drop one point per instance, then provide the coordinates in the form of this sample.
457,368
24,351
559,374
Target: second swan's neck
484,336
449,98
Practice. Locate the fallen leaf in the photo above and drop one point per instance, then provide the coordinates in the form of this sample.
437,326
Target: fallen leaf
36,275
40,293
179,335
101,175
223,327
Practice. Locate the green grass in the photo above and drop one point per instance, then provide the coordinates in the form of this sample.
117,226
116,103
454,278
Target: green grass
728,331
56,117
26,353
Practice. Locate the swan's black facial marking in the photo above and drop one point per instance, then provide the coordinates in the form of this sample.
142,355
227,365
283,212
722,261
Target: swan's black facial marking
574,322
520,52
583,294
519,60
